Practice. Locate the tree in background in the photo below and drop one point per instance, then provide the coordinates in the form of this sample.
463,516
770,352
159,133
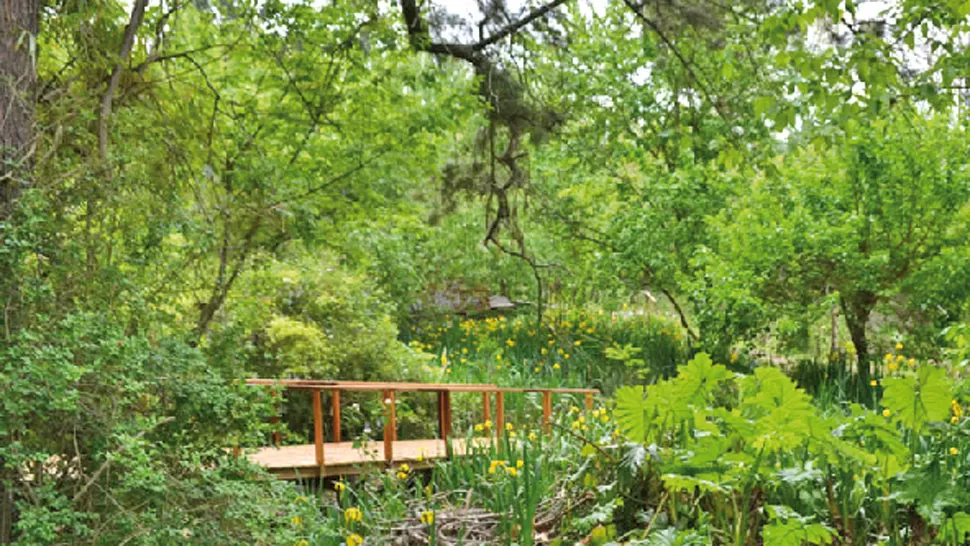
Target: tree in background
857,221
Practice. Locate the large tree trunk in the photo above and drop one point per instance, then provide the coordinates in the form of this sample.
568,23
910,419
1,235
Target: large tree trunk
857,307
19,21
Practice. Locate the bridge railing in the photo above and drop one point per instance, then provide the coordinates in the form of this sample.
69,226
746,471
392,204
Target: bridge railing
389,390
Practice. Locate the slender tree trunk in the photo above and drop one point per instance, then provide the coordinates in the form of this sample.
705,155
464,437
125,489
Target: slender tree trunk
19,24
857,308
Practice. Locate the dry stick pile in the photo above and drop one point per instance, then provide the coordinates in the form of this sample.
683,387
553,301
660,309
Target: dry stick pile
471,526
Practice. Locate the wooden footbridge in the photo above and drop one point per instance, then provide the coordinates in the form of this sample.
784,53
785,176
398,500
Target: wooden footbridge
337,457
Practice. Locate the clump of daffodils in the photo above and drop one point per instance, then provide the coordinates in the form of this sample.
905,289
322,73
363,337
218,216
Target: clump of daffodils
957,410
353,515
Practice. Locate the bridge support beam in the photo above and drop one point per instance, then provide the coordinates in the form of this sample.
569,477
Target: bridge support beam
390,426
318,427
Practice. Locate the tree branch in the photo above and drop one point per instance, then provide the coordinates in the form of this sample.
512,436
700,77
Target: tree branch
137,15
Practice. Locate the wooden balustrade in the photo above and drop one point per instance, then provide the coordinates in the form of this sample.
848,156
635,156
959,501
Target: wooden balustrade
388,392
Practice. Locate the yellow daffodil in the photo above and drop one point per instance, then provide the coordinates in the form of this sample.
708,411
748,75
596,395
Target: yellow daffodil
886,413
427,517
355,540
555,366
339,487
297,521
954,451
353,515
899,346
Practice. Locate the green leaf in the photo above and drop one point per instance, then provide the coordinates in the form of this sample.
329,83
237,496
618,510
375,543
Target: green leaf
956,528
631,412
919,399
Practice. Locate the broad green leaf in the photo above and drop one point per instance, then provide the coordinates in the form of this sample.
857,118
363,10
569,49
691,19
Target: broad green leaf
918,399
632,412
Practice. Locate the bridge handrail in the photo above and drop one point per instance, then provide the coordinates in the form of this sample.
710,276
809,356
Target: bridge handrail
389,399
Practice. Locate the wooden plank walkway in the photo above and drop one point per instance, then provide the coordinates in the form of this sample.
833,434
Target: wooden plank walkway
336,457
299,461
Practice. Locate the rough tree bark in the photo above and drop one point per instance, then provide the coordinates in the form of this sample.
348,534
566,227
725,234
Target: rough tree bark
19,24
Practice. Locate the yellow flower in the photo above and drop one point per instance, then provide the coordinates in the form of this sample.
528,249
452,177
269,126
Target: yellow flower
532,436
297,521
488,423
510,342
734,357
544,351
573,409
353,515
303,541
873,383
605,418
578,342
519,464
886,413
509,427
954,420
555,366
339,487
420,457
954,451
300,498
479,427
355,540
444,359
566,356
511,434
498,356
405,468
892,367
576,424
888,357
899,346
552,342
511,471
464,350
427,517
536,369
911,363
402,475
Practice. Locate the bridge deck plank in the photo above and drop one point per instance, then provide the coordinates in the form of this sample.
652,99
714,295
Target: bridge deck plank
292,462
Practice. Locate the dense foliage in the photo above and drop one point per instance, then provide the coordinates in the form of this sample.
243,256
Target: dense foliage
730,217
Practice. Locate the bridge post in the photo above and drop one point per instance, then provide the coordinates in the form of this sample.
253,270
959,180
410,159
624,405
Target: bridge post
275,419
390,425
318,427
486,406
547,411
499,413
335,408
444,414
